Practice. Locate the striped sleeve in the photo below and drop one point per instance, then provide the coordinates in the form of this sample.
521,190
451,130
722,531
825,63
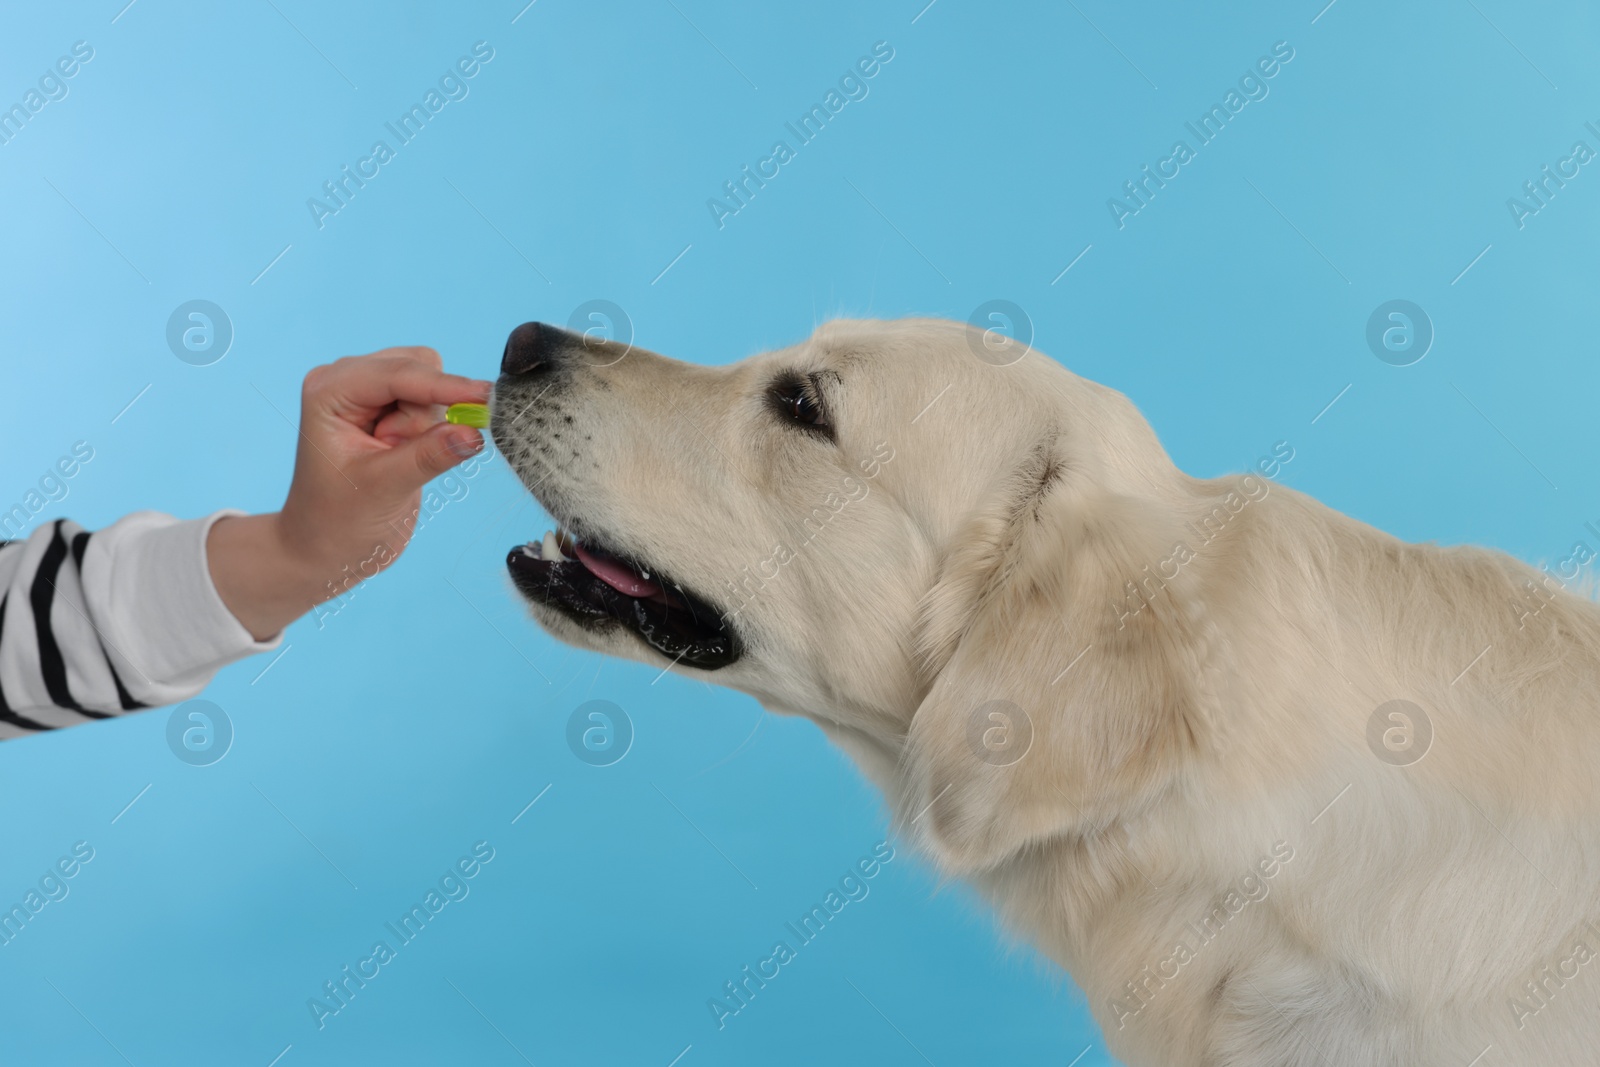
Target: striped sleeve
97,624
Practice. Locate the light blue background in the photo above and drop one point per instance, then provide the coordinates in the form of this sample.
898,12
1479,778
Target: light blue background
416,721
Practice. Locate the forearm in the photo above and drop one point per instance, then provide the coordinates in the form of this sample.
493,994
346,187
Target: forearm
101,623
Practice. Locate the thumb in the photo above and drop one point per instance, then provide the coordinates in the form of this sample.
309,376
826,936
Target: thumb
408,467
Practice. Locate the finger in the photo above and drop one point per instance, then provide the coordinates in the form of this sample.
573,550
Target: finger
422,354
409,466
376,381
416,353
406,421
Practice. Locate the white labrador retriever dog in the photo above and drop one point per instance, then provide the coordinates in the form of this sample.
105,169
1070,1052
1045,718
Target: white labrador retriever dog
1273,786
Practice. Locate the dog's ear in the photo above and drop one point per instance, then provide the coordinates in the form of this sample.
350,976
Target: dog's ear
1070,666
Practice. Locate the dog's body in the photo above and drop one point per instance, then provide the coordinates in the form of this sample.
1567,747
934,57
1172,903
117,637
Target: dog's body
1150,716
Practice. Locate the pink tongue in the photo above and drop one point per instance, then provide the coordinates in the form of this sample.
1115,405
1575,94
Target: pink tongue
616,575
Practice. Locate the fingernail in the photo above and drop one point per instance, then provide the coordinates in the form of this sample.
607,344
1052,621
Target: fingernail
464,446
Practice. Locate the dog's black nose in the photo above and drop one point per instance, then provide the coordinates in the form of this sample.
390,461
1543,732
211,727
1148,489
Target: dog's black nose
534,347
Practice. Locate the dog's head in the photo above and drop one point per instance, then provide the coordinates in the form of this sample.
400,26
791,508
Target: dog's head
889,527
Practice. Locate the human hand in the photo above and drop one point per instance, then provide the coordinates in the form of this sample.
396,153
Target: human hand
371,435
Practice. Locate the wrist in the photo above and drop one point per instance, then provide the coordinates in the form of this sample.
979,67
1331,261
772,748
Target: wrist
264,578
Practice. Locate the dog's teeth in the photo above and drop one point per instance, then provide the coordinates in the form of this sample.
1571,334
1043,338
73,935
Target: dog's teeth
551,547
531,550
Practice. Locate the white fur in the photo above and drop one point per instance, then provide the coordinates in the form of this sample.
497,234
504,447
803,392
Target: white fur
1191,743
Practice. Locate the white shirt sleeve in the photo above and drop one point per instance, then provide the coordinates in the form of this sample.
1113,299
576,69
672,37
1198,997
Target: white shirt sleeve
98,624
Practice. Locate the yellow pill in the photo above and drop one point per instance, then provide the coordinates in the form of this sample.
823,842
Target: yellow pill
474,415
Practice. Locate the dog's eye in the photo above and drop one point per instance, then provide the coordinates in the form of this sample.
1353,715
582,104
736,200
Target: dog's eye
803,407
795,398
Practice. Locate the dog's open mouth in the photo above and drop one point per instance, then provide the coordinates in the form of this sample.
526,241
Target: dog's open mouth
595,587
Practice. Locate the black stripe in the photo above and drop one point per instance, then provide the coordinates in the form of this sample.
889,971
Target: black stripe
80,544
124,697
6,714
42,596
